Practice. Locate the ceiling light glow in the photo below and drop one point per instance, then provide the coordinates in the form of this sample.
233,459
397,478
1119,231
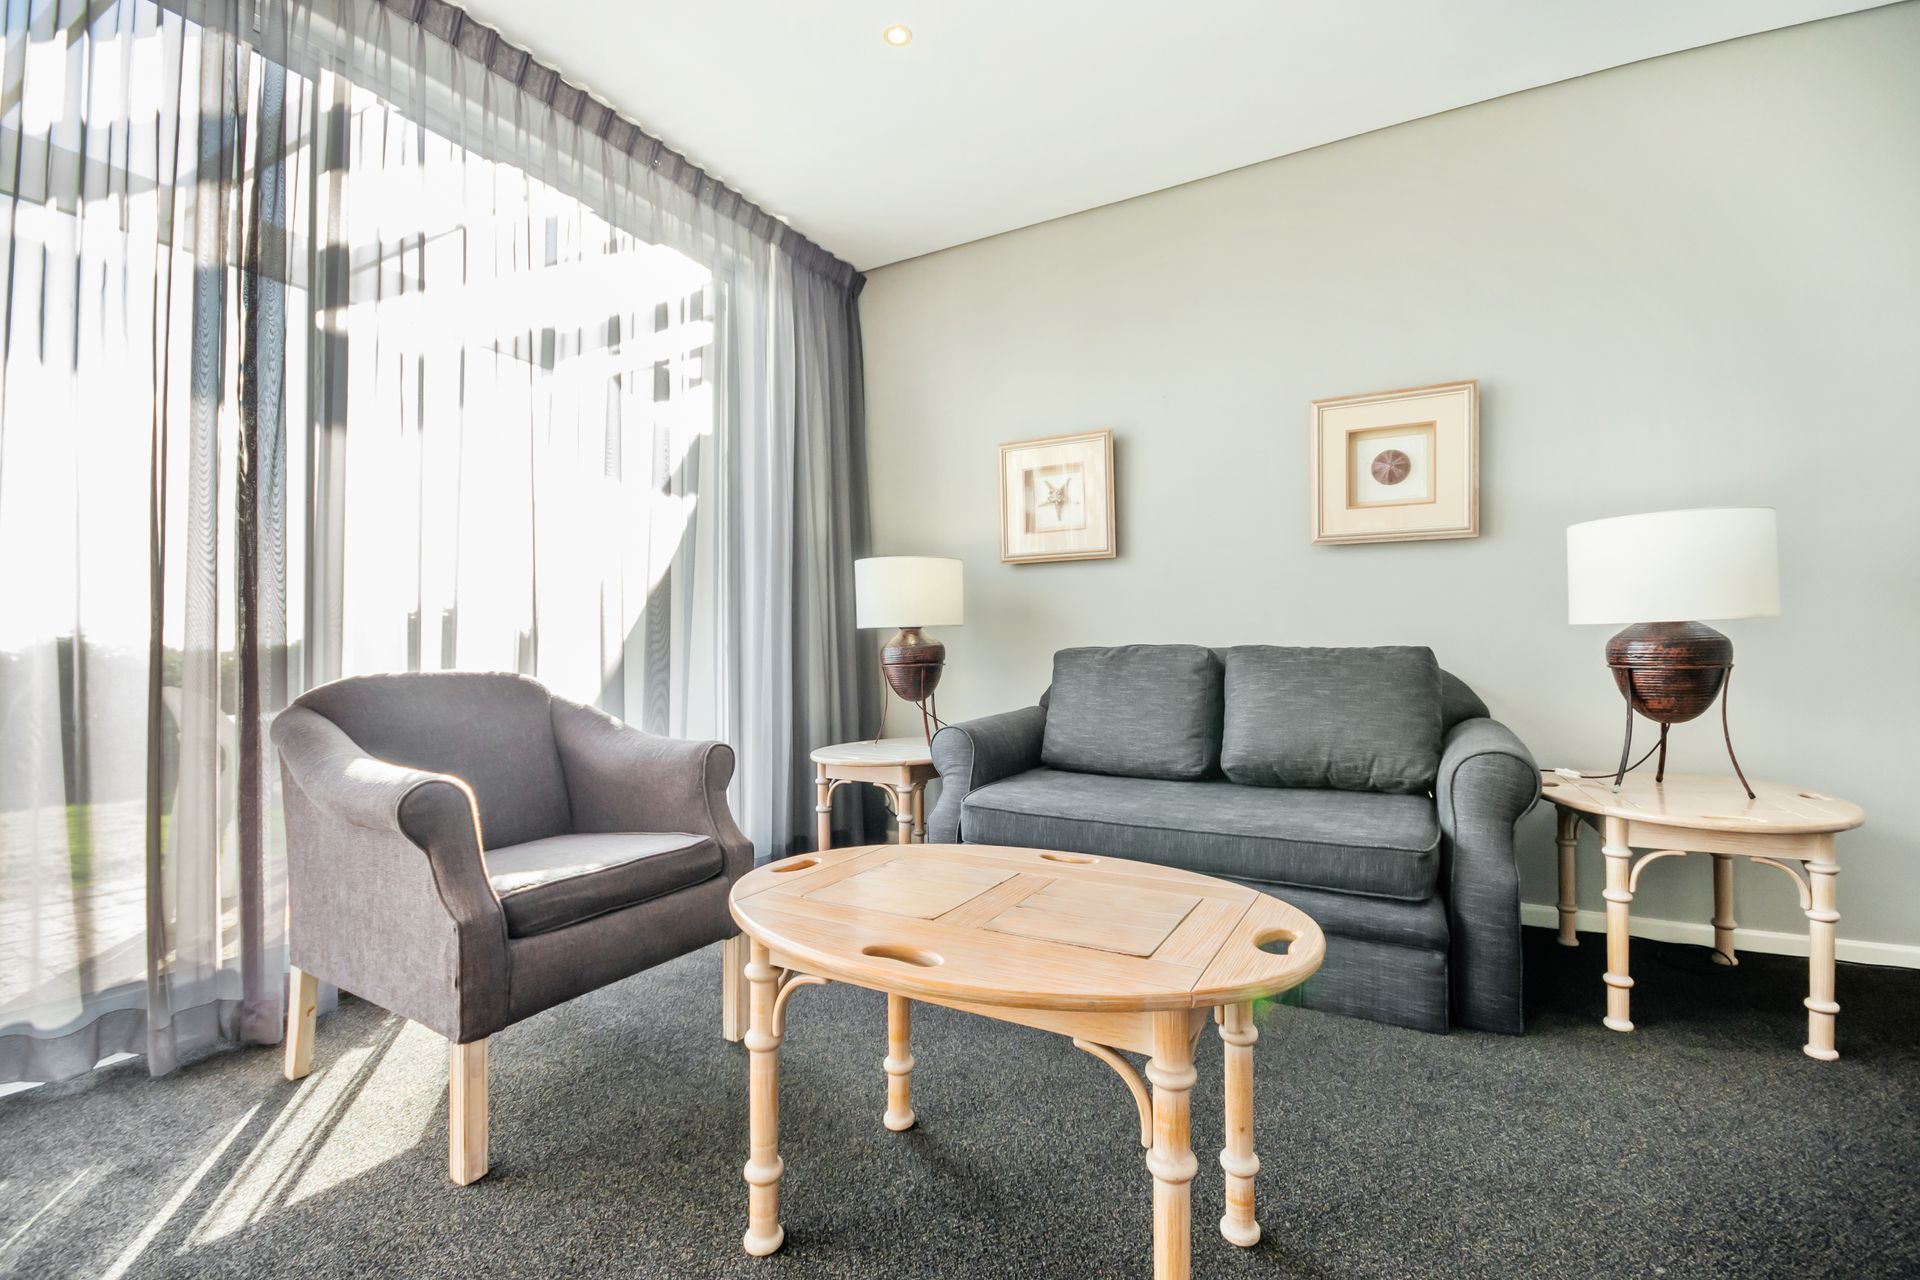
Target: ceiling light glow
896,35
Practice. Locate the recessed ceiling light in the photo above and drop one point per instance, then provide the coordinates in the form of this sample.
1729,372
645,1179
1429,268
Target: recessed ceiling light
896,35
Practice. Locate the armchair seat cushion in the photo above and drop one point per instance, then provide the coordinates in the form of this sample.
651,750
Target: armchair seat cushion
562,880
1387,846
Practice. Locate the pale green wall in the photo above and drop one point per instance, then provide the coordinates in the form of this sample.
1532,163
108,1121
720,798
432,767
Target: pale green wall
1690,282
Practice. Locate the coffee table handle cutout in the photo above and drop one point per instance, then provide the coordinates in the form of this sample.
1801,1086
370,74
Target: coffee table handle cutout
900,954
1278,933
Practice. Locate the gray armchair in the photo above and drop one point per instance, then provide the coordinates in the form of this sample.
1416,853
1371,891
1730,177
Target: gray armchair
467,850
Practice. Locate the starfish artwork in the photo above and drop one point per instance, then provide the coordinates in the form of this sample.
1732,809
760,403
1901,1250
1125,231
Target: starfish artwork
1056,496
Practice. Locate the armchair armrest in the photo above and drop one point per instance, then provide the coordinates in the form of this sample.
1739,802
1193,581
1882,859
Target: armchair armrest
1487,781
977,753
350,786
385,870
620,778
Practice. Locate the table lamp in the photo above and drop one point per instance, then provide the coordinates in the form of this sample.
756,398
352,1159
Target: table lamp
910,592
1653,570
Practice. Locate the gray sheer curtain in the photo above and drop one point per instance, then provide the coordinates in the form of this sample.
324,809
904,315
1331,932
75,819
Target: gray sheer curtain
344,337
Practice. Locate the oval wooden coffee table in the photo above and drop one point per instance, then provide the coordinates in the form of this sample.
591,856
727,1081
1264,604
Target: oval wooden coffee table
1118,956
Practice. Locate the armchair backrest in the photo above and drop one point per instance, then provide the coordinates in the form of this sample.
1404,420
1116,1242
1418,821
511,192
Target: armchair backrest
492,730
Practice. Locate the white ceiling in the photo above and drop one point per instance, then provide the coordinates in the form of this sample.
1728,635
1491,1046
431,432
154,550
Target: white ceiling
1003,113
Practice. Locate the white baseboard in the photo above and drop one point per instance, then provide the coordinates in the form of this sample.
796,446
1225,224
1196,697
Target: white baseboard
1700,933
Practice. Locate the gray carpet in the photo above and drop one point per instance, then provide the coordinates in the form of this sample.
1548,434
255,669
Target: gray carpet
1703,1145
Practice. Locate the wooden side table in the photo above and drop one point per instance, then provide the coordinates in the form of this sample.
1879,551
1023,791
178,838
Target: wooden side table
903,766
1689,813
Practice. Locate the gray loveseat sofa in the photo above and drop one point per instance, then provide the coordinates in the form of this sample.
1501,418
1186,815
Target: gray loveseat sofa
1366,786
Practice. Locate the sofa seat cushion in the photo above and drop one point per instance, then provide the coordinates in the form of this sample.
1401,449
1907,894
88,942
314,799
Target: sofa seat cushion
1347,841
1142,710
549,884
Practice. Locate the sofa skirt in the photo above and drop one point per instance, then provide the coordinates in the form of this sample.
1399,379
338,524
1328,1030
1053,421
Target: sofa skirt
1405,986
1386,959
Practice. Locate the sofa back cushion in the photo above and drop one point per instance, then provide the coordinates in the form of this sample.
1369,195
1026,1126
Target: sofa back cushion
1349,719
1458,701
492,730
1141,711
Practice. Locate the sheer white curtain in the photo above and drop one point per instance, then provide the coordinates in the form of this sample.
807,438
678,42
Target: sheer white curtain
136,890
329,348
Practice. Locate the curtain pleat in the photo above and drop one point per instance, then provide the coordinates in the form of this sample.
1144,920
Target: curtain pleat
329,348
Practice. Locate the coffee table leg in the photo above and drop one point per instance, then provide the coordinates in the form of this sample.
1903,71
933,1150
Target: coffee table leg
1170,1160
899,1063
1822,916
764,1165
1619,898
1239,1225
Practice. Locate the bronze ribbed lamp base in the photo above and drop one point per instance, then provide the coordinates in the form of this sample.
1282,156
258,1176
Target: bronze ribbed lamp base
1670,672
912,662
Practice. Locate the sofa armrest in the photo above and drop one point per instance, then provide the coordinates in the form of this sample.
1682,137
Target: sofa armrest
977,753
388,893
620,778
1487,781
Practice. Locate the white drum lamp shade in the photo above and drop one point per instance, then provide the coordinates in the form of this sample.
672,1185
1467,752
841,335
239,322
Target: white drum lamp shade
908,591
1674,566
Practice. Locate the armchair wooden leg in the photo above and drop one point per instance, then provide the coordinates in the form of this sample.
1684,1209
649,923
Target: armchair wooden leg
467,1112
735,994
303,1002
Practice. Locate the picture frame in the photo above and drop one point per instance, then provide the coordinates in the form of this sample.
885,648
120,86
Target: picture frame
1396,466
1056,499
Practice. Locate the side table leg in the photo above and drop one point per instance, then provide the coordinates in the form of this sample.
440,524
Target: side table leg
764,1165
1821,917
903,811
822,810
1568,839
1170,1160
1723,921
899,1063
1239,1226
920,813
1619,897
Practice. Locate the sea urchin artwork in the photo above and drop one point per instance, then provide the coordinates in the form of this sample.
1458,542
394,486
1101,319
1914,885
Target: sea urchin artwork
1390,466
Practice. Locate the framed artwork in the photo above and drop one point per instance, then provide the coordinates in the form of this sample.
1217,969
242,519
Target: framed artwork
1056,499
1397,466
